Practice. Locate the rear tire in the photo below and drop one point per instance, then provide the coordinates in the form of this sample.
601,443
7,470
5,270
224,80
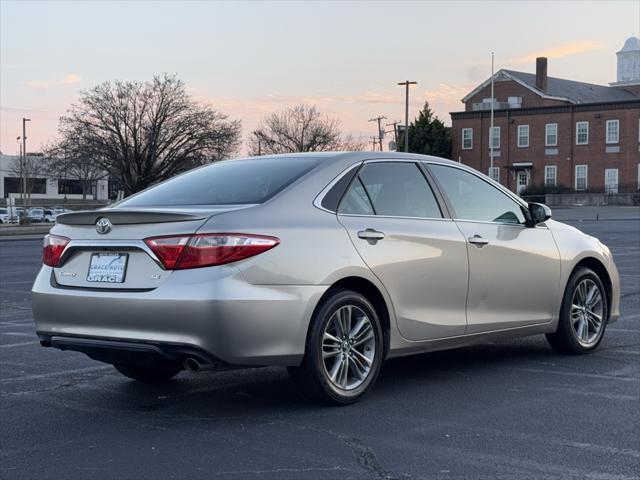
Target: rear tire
583,316
344,350
158,373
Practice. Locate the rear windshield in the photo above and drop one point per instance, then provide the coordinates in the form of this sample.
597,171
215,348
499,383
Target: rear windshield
230,182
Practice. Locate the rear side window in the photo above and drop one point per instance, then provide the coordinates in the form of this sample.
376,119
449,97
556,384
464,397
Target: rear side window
394,189
230,182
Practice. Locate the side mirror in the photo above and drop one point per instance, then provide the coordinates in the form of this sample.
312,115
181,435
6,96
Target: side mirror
538,213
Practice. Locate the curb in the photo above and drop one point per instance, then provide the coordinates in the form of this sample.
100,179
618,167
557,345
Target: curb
29,230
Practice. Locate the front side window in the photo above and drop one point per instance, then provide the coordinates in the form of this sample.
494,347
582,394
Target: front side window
494,137
550,175
474,199
613,131
582,133
395,189
227,183
551,135
467,138
523,136
581,177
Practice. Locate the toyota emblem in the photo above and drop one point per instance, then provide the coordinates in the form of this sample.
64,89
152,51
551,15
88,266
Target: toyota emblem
103,225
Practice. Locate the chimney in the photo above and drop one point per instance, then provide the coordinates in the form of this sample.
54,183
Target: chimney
541,73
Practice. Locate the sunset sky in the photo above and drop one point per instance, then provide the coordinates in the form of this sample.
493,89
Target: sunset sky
250,58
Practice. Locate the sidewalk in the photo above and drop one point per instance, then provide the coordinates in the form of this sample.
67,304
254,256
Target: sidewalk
10,231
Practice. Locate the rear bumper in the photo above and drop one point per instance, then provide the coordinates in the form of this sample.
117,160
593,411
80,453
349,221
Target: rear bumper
213,311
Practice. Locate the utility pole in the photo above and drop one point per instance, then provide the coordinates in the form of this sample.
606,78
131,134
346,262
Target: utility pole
259,137
24,161
374,140
395,131
21,168
491,127
406,84
379,119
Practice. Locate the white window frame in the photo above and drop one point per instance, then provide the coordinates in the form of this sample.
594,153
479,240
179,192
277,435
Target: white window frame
586,177
547,169
547,143
617,131
523,128
607,188
494,174
496,144
578,124
470,131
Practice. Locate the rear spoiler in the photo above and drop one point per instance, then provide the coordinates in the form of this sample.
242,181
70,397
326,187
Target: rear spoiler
125,217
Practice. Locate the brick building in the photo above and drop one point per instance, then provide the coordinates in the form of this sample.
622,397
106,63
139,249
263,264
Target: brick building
555,132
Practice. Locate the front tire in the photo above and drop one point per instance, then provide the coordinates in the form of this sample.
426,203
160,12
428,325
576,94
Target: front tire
344,350
159,373
583,316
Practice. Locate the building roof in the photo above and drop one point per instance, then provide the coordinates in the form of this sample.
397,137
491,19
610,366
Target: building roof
576,92
632,44
560,89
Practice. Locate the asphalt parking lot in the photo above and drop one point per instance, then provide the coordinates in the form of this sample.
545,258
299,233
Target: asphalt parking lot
513,409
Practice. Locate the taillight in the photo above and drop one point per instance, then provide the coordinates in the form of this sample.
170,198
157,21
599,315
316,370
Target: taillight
53,247
207,250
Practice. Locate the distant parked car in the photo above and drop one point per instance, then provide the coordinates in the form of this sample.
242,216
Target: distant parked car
59,210
36,214
50,215
6,217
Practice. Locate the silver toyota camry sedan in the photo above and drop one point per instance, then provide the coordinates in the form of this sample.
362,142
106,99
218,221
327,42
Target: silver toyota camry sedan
326,263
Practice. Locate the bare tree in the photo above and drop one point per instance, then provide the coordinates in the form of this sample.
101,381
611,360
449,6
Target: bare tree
34,168
72,159
142,133
302,128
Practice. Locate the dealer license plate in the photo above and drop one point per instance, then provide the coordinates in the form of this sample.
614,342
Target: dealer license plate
107,267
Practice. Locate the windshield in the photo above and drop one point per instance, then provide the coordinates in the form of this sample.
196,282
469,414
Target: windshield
230,182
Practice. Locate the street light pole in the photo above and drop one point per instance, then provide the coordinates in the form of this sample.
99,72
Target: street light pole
406,84
24,160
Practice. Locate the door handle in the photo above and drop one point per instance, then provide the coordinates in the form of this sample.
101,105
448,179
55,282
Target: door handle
371,235
478,240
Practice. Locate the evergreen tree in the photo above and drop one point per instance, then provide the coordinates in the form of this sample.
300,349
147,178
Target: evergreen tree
428,135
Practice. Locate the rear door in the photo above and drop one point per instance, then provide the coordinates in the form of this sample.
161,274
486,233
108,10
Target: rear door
514,270
397,226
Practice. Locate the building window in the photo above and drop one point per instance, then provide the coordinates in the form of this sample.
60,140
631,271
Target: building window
467,138
582,133
613,131
494,137
551,134
70,187
581,177
494,173
523,136
611,180
550,175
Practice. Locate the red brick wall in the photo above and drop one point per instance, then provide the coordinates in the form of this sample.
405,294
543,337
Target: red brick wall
569,154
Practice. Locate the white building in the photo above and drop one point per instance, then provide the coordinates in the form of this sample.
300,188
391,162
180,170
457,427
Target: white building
45,187
629,63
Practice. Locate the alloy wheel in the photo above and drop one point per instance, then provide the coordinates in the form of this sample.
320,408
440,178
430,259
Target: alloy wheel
348,347
586,312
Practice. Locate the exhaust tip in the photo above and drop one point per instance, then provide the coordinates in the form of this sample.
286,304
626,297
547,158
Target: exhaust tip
191,365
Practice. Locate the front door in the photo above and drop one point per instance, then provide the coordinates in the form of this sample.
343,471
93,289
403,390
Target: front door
522,178
397,227
514,270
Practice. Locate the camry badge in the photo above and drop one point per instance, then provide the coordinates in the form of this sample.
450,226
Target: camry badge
103,225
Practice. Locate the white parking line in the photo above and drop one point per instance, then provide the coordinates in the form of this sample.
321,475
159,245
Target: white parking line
624,330
21,344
